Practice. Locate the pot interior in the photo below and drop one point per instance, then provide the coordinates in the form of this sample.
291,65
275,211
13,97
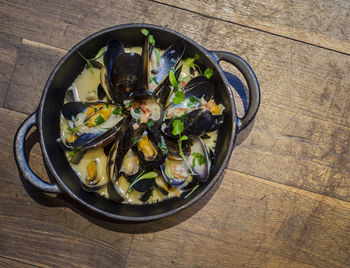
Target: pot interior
49,121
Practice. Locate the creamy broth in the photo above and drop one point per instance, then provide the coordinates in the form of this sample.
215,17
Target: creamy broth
85,87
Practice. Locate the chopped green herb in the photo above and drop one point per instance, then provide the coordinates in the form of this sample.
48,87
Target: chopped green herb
117,111
133,139
178,127
155,80
194,188
200,159
149,175
144,32
193,102
72,153
107,106
127,103
151,40
189,62
150,123
137,111
179,97
186,78
183,138
99,53
162,146
87,61
99,120
196,56
208,72
156,50
172,79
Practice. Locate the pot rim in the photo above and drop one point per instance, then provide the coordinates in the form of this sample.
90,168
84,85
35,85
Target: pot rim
66,190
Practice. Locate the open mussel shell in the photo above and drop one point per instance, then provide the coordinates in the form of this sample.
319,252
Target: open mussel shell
175,172
114,48
125,75
142,88
88,136
148,150
173,148
199,159
199,87
169,60
196,123
164,90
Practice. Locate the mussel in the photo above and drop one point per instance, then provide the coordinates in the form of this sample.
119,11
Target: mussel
92,124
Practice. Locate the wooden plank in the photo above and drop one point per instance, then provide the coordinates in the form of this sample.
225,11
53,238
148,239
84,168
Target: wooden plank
295,150
248,222
8,53
34,65
5,262
322,23
36,20
48,232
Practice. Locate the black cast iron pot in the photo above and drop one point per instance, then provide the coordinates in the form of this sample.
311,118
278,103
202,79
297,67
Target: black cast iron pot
47,117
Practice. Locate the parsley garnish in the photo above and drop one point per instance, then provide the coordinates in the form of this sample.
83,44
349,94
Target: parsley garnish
149,175
154,80
156,50
162,146
137,111
150,123
199,157
133,139
189,62
99,53
151,40
150,37
117,111
172,79
144,32
208,72
179,97
99,120
178,127
193,102
72,153
87,61
194,188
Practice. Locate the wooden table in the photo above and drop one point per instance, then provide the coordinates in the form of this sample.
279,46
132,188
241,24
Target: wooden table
284,199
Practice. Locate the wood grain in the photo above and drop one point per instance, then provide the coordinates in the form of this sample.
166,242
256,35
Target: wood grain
295,150
250,222
8,53
55,236
35,63
282,202
322,23
5,262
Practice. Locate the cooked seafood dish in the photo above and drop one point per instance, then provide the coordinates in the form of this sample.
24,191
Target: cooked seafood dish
139,124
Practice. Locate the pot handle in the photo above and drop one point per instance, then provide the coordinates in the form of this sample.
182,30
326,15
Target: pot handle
252,81
21,160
